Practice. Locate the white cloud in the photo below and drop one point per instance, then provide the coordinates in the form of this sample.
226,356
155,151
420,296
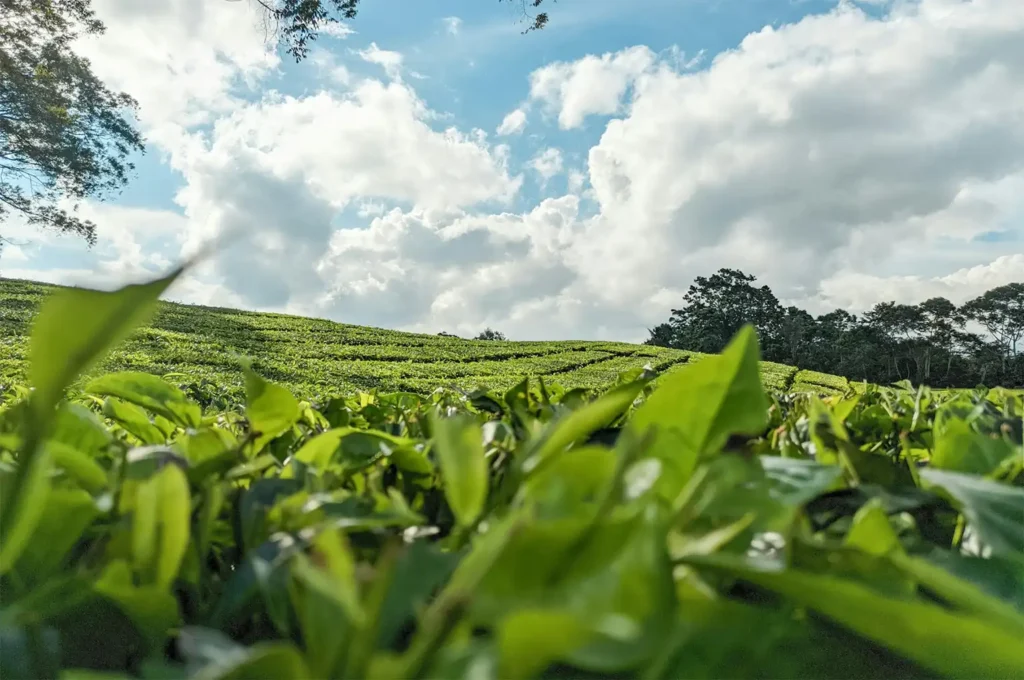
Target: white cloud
589,86
577,180
277,173
183,60
330,69
831,141
452,25
12,253
125,250
371,209
390,61
842,159
547,163
514,123
336,29
425,270
374,141
857,291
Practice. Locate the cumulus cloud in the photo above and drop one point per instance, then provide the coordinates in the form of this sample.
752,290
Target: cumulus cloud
829,141
592,85
132,243
389,60
185,61
277,172
857,291
336,29
577,180
843,159
330,69
547,163
427,270
514,123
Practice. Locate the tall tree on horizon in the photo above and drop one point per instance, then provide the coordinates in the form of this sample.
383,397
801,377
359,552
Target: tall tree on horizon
1001,312
716,307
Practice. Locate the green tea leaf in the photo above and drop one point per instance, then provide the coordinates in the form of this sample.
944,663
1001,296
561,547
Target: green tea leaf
134,420
80,467
795,481
153,609
582,422
697,408
100,320
76,426
580,476
206,445
278,660
953,644
621,582
994,510
719,638
271,409
871,531
23,504
151,393
460,450
420,570
322,617
960,449
531,639
67,514
160,527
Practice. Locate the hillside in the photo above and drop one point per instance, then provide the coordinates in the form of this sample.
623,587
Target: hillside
315,357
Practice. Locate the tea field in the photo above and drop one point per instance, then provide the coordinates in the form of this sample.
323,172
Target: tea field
682,524
200,348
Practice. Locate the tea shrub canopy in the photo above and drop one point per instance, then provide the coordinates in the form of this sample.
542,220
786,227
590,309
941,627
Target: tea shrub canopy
199,349
681,523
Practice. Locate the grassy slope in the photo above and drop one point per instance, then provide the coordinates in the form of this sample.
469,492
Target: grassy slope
315,357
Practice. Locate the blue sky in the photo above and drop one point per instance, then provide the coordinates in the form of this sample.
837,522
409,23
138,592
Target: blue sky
844,152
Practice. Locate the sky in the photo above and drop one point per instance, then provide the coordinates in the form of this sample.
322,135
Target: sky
430,168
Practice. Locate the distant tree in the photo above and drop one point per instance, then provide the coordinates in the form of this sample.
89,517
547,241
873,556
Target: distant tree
716,307
900,327
1001,312
63,134
796,334
943,327
661,335
489,334
296,23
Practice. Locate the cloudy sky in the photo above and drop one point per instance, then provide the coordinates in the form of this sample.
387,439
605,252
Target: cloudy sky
430,168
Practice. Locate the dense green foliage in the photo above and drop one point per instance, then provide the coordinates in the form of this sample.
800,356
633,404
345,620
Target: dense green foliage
63,133
696,527
932,343
198,348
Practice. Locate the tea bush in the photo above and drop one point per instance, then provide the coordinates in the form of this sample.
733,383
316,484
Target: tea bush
690,525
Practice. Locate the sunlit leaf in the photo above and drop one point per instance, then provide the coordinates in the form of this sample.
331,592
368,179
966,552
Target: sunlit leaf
100,320
458,443
697,408
271,409
149,392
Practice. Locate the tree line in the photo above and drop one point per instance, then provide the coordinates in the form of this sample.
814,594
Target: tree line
934,342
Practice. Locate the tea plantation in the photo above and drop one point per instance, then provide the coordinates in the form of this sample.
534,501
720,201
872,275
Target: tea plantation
201,347
680,522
